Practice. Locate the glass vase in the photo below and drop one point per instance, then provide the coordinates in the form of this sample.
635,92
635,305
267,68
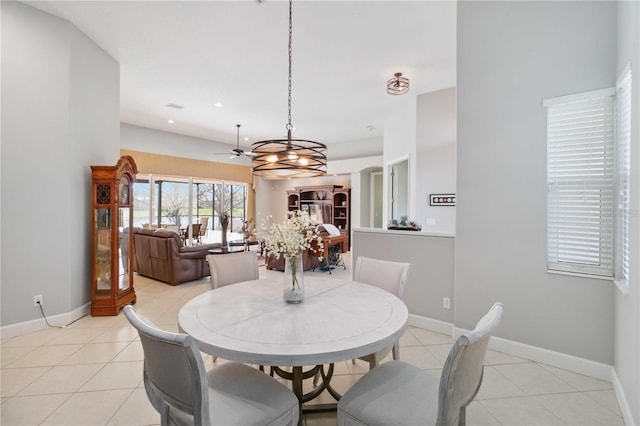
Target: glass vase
293,286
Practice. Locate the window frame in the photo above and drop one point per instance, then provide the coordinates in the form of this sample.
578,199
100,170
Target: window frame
579,241
623,179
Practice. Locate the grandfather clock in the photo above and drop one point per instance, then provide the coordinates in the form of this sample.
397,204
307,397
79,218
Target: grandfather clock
111,237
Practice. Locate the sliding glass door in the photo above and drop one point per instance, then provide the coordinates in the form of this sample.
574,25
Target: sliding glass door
162,201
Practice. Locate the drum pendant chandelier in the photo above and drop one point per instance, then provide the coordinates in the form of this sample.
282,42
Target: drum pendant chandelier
289,158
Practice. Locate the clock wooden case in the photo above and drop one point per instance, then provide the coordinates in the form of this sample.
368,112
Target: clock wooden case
111,239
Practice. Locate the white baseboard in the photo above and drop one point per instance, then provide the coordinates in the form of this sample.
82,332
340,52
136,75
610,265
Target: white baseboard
555,359
622,401
572,363
431,324
39,324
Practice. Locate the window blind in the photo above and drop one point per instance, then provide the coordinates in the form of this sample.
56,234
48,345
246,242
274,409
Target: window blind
580,161
623,175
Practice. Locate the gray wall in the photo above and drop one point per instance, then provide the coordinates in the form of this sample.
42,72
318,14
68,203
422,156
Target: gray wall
436,158
511,56
60,113
432,264
627,322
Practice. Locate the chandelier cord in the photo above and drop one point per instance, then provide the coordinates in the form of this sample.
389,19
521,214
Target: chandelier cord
290,157
289,125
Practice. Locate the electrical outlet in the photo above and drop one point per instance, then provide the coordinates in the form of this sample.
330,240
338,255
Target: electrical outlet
37,300
446,303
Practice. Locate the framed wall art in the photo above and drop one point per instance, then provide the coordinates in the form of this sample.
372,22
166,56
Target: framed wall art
442,199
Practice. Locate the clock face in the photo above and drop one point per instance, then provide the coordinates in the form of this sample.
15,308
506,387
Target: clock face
124,190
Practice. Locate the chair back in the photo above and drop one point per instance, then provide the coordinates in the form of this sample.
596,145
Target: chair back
387,275
463,369
174,228
173,373
233,268
204,224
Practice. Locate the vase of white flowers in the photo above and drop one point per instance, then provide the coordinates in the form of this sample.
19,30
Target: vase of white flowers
290,239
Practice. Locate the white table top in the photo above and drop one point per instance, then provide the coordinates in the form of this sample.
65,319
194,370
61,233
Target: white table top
250,322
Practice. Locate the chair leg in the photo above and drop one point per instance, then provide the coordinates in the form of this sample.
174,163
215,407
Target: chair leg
462,419
396,351
372,363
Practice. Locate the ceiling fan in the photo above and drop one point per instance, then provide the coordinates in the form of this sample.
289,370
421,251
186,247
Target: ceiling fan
237,151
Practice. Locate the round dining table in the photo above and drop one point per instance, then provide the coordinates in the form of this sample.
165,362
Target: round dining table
249,322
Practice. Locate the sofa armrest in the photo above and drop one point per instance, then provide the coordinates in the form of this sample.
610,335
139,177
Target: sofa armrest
196,252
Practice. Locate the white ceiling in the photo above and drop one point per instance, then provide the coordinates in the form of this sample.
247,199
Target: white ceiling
197,53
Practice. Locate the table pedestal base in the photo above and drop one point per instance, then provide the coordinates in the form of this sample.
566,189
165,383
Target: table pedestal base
298,375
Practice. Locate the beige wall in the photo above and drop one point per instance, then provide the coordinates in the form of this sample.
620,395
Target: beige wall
177,166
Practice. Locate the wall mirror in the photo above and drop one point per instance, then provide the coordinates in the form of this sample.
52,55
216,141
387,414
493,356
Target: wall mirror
398,178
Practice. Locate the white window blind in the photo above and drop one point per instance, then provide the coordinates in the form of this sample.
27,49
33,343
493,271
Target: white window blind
623,177
580,168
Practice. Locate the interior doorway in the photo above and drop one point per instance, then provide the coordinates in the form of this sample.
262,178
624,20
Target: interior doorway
376,200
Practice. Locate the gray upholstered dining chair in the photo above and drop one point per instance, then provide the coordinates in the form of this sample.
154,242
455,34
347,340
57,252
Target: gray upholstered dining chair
389,276
233,268
402,394
183,393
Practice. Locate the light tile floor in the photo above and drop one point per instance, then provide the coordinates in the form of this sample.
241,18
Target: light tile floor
90,373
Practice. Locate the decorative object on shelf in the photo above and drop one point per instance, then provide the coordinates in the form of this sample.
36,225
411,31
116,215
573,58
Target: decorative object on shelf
286,158
442,199
290,239
404,225
398,85
224,223
247,229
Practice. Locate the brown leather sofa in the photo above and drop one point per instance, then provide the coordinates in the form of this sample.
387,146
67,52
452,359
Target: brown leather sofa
161,255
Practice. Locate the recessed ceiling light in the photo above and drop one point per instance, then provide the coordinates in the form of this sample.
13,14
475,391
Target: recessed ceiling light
218,104
246,138
170,121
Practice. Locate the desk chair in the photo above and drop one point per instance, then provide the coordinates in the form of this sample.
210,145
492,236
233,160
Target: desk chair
195,233
174,228
389,276
183,393
233,268
401,394
204,225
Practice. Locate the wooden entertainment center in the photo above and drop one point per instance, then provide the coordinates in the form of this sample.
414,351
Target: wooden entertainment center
329,203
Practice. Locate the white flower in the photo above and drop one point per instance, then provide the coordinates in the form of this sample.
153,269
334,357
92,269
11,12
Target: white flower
292,237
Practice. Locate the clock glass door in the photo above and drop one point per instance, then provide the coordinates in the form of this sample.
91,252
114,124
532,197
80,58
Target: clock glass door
103,251
123,248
